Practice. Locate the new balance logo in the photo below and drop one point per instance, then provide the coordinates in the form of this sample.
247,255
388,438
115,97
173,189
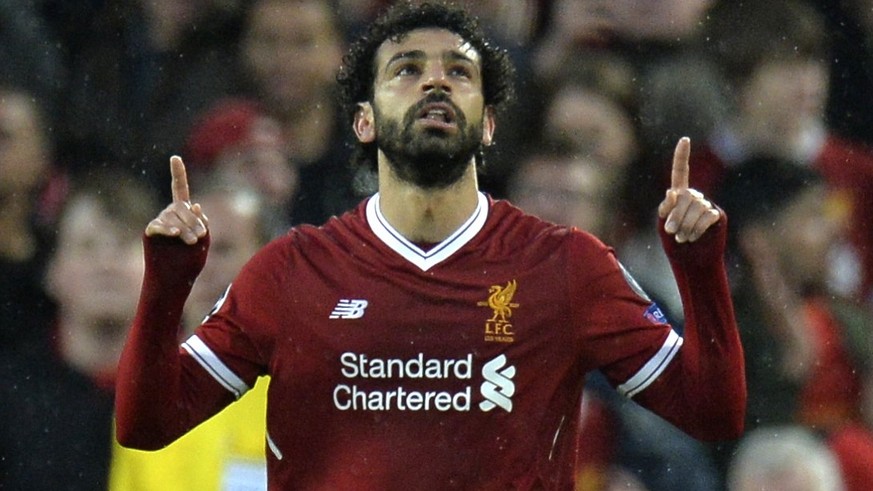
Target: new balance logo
498,387
349,309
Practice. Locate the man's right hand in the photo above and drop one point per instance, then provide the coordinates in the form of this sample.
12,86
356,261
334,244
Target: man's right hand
181,218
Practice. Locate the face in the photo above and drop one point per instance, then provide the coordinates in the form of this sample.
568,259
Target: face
568,192
805,234
235,237
665,19
175,11
292,51
24,156
262,162
428,115
782,98
97,268
594,124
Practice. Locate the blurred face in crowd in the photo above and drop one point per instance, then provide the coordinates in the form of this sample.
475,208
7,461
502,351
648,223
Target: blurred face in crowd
805,232
234,226
593,124
262,162
565,190
782,98
24,153
170,19
95,276
292,51
428,115
581,20
665,19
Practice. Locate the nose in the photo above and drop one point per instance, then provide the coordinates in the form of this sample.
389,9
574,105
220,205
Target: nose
435,79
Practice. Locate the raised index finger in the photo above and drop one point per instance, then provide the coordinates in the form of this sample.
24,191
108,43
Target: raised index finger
679,174
180,179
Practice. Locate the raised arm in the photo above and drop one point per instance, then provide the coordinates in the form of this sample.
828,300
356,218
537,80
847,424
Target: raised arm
686,213
181,218
703,390
160,392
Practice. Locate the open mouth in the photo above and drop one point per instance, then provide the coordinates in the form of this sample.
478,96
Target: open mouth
437,114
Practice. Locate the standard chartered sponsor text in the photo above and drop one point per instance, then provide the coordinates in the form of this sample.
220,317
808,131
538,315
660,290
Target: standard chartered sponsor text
356,396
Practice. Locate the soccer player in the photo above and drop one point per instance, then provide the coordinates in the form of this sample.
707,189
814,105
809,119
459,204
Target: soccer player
433,337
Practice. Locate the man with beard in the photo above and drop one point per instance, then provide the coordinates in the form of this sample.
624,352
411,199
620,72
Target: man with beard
432,338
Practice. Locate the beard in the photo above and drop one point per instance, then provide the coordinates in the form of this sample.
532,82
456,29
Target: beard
429,158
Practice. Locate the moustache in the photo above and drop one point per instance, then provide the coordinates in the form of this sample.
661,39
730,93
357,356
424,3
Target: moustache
436,96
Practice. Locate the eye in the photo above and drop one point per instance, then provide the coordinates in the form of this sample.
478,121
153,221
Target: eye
460,71
406,70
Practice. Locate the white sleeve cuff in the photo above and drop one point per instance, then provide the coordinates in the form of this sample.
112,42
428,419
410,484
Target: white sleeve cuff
653,368
214,366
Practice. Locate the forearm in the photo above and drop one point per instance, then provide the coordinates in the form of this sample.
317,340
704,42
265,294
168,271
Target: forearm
151,405
703,391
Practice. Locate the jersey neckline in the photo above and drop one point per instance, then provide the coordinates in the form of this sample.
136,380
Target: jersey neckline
439,252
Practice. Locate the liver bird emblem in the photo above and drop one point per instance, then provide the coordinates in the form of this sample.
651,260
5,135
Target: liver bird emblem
500,300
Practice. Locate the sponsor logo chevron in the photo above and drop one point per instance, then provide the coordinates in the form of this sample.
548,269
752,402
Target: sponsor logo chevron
498,387
451,377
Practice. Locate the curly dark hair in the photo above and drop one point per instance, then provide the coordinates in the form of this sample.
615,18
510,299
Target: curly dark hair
358,72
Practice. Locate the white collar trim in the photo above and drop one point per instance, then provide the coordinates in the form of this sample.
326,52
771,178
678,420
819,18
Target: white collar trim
439,252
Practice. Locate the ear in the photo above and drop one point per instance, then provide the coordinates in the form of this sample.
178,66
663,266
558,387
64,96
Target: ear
365,124
488,124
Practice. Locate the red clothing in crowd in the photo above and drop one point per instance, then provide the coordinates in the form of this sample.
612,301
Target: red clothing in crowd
853,447
847,168
831,394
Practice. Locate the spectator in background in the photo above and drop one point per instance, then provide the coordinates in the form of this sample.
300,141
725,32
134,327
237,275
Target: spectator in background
776,70
591,109
784,458
357,14
656,45
853,448
807,347
58,402
637,27
853,443
226,452
26,163
564,187
290,53
29,55
511,23
648,34
140,71
238,143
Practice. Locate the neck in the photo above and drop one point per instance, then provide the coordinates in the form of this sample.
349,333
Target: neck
426,215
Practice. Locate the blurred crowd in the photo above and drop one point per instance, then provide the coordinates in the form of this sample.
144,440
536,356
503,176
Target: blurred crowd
95,95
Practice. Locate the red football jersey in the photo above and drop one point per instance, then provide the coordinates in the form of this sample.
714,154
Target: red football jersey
460,366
